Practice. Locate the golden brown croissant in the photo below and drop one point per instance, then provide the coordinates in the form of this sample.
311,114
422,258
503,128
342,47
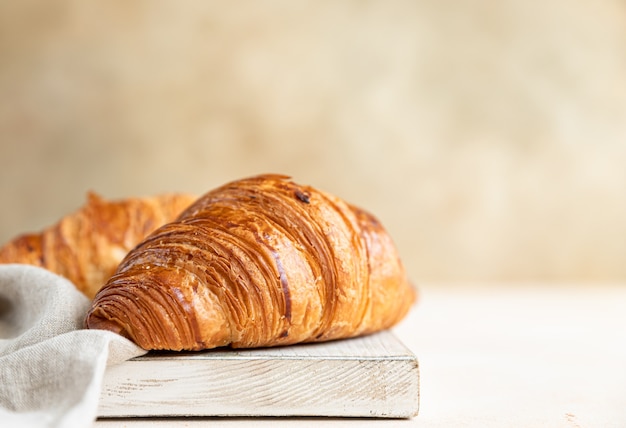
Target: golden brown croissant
257,262
87,245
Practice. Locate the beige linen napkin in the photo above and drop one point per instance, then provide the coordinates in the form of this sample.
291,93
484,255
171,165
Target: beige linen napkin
51,369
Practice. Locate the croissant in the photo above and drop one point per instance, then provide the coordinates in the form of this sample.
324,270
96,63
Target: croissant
257,262
87,245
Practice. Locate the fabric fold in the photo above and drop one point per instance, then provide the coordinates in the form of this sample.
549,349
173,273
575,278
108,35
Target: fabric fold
51,369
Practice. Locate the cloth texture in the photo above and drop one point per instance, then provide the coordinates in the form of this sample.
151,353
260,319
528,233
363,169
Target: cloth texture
51,368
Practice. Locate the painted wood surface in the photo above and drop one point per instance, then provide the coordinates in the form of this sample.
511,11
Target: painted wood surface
372,376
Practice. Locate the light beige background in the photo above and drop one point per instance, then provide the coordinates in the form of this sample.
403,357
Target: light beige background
488,136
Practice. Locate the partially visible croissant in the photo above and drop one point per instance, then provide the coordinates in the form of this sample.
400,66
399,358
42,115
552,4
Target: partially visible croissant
87,245
257,262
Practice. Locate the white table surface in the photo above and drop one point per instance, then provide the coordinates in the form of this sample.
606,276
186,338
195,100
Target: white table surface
524,355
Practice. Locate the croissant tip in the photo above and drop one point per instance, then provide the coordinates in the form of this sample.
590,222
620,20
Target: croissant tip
96,321
93,197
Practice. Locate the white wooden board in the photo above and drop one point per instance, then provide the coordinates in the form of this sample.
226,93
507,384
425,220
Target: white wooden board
373,376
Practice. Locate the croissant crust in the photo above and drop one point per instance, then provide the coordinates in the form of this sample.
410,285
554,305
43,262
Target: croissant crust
257,262
87,245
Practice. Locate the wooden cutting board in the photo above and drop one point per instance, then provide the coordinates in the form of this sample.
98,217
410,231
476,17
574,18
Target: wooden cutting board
372,376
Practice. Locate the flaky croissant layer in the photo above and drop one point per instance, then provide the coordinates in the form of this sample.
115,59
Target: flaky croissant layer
87,245
257,262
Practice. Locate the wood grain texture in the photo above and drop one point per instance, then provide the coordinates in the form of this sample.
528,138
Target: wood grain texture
372,376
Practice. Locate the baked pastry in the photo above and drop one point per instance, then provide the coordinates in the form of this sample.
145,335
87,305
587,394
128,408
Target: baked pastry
257,262
87,245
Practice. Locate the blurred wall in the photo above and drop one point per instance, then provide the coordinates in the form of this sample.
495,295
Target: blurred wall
488,136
